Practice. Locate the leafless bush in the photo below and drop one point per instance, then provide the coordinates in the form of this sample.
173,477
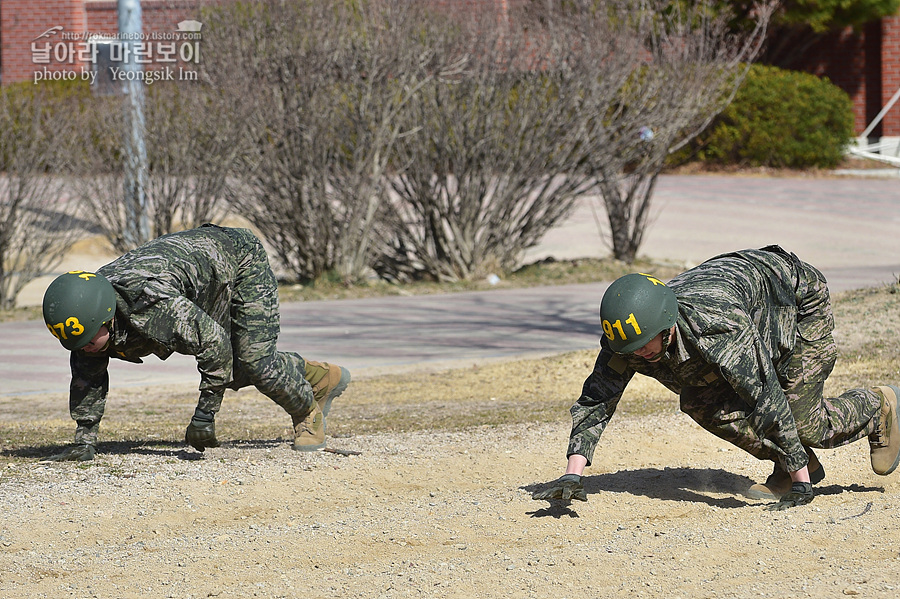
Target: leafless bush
38,222
483,130
647,77
268,62
491,166
189,154
555,102
318,86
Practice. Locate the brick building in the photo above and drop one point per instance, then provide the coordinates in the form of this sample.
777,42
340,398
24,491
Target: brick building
865,64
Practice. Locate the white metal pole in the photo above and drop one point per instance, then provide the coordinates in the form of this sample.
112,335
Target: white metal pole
881,114
130,34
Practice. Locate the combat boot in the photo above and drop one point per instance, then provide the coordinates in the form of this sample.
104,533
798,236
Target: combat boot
779,482
328,381
309,432
884,442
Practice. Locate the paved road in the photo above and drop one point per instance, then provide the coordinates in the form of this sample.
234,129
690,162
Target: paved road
847,227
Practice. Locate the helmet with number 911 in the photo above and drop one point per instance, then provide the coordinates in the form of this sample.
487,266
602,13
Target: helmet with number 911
635,309
76,305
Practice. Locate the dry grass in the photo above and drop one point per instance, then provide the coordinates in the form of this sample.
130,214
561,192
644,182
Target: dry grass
542,273
850,162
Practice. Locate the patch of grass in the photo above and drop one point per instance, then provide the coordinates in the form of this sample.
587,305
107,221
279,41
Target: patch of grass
24,313
543,272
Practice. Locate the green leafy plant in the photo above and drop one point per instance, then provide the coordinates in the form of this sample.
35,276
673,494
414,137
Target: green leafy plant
781,119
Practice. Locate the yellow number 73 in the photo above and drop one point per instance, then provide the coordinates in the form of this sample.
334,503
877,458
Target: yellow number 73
72,326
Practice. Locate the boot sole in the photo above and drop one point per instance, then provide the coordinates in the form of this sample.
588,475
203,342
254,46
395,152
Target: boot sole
814,478
318,447
894,427
338,389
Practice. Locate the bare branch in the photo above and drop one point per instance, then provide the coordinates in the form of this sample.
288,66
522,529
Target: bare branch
38,221
650,75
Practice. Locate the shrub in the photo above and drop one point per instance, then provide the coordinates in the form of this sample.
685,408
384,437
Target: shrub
781,119
21,100
37,222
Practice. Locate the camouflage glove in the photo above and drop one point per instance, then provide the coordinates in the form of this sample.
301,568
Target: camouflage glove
566,487
76,453
801,494
201,432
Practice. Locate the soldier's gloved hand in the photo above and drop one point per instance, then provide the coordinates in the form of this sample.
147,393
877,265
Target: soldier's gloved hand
201,432
76,453
800,494
566,487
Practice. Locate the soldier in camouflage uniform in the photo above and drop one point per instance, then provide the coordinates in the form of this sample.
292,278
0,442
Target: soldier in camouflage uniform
745,339
207,292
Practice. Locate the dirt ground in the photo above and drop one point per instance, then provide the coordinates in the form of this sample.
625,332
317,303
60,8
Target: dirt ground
429,509
446,515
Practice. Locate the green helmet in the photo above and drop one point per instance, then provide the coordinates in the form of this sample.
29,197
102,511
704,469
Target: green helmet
76,305
634,310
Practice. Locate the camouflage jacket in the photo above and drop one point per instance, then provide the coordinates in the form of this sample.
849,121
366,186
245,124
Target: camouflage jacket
173,294
739,318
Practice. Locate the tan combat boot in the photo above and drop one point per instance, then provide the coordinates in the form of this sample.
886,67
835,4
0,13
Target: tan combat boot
884,442
779,482
328,381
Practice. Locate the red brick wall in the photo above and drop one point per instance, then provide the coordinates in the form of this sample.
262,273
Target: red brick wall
841,57
866,65
21,21
890,73
102,17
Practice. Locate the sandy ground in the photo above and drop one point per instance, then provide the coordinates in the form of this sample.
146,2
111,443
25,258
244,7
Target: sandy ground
445,514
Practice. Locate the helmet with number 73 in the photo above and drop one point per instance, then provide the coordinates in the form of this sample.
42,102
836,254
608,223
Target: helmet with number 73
635,309
76,305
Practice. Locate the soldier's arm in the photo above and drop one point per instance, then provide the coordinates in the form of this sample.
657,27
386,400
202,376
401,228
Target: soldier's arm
87,394
590,414
600,395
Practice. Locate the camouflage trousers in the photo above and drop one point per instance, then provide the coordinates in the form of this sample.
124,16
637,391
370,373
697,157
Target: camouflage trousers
821,422
280,376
